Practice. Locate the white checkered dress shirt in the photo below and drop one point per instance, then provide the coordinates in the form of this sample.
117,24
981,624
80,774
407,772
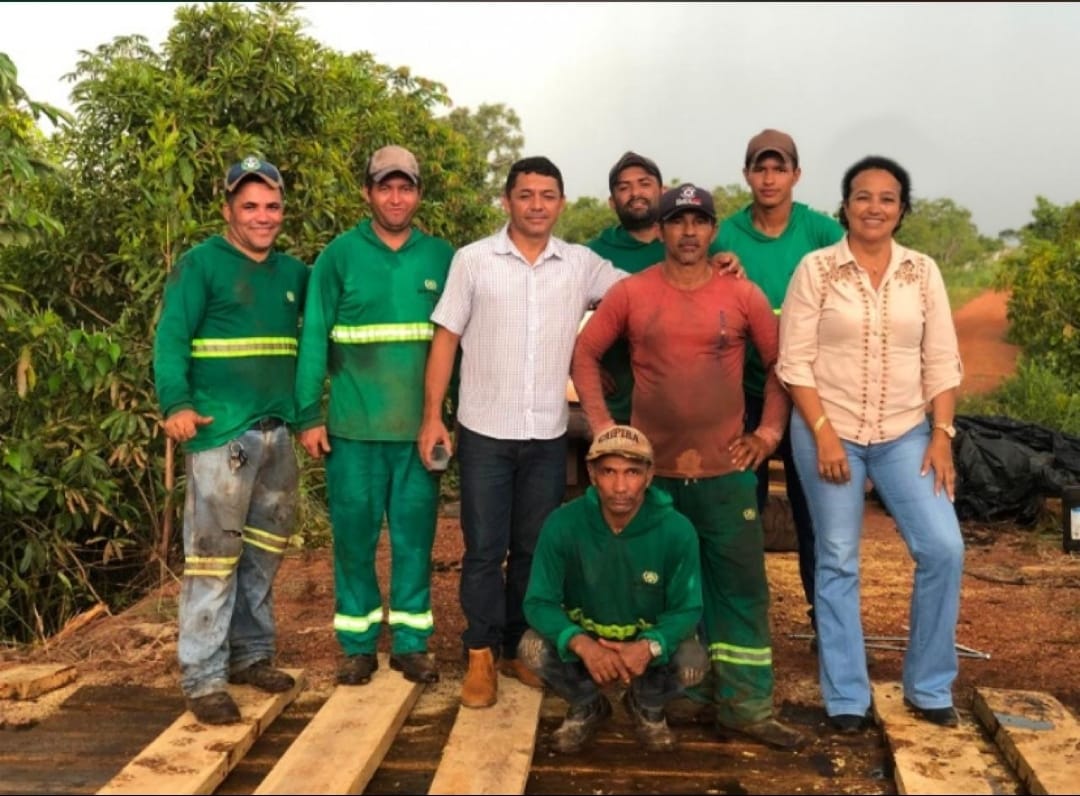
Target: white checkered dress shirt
518,324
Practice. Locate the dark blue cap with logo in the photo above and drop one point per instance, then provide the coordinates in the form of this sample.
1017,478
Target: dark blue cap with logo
253,166
686,197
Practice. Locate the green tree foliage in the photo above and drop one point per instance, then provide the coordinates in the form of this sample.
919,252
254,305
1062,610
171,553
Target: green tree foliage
583,219
81,452
945,231
730,199
497,130
1044,277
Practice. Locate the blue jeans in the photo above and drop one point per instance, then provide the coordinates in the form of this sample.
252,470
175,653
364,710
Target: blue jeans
508,488
929,527
800,512
239,510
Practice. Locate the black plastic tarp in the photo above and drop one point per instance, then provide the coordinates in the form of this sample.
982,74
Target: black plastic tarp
1005,468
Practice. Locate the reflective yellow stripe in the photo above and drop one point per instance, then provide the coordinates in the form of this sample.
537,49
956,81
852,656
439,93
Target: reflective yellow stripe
423,621
265,540
742,656
383,333
357,624
613,632
212,567
243,347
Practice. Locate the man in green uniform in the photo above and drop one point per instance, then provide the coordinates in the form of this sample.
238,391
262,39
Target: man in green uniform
366,323
771,235
614,596
224,363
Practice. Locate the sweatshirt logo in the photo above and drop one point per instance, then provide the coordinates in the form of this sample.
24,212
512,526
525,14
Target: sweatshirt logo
749,514
290,297
650,577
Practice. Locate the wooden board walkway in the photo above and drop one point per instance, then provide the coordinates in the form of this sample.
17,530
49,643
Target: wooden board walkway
190,757
490,750
937,760
353,729
29,681
1040,738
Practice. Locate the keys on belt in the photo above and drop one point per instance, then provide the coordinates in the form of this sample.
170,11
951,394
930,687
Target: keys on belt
267,424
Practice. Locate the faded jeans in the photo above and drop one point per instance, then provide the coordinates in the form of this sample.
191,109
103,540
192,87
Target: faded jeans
239,511
929,527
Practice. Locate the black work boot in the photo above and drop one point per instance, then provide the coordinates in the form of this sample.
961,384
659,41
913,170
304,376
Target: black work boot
215,708
650,726
357,669
579,726
416,667
264,677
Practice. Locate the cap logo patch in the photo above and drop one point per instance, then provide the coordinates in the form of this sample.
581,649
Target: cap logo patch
250,163
650,577
688,196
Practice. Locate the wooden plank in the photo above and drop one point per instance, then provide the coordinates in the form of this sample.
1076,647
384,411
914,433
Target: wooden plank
929,759
354,729
1039,737
190,757
472,763
32,680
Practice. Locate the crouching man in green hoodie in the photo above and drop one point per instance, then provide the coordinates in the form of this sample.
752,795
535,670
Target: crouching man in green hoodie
614,598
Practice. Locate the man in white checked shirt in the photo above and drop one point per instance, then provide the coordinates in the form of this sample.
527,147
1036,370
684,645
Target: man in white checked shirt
513,301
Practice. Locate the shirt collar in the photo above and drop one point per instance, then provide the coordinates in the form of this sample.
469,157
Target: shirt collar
503,245
898,254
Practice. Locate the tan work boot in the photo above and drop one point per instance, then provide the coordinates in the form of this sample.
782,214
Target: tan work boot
514,667
480,687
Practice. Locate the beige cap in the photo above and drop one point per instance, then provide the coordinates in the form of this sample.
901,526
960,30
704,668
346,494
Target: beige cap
390,159
771,141
625,441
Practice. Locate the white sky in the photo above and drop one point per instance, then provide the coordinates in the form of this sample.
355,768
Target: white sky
979,101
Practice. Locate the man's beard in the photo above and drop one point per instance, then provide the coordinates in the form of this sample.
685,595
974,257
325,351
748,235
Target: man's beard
634,220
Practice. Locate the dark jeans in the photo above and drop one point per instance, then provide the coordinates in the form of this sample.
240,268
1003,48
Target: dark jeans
508,488
657,686
800,513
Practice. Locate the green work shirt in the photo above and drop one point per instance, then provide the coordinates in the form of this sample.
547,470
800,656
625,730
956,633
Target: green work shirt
226,342
366,325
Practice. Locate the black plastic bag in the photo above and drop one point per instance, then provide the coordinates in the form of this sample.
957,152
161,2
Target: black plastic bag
1005,468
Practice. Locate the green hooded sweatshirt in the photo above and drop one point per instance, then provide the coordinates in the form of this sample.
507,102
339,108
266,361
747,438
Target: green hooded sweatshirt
644,582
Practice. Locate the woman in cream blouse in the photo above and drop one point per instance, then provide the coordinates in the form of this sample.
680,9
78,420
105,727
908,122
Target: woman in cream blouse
867,342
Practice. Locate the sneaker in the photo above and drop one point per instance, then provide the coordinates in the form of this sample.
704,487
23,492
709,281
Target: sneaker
264,677
357,669
579,726
850,723
215,708
416,667
943,717
650,726
771,732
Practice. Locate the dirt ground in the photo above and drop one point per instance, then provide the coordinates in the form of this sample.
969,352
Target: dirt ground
1020,605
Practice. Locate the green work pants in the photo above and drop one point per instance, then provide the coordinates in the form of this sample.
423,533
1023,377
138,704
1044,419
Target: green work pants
365,482
724,511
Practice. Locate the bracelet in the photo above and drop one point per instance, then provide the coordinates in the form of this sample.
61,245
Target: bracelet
819,423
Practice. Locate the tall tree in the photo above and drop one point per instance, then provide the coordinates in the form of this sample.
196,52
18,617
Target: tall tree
497,130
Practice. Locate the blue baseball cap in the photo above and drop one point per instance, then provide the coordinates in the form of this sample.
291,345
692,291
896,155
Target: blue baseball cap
252,166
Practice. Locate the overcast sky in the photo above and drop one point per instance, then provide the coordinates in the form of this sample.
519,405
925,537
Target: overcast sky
979,101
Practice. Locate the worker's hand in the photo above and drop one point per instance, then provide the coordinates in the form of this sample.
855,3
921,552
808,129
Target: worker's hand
432,433
728,263
938,457
182,426
748,451
315,441
604,664
832,458
635,655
